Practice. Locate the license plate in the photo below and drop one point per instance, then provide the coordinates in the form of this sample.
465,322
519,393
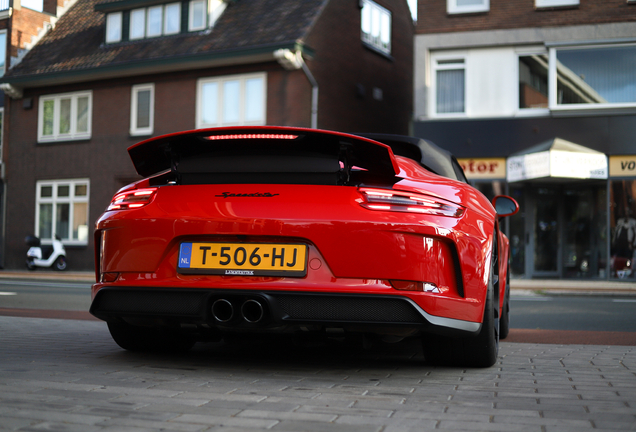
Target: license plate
243,259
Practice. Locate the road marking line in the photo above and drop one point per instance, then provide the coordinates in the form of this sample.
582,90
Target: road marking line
531,298
37,283
7,293
624,300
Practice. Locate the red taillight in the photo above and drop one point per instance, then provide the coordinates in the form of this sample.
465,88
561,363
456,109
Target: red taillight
389,200
132,199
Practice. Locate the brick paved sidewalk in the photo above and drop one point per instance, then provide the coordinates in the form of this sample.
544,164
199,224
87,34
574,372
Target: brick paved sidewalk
68,375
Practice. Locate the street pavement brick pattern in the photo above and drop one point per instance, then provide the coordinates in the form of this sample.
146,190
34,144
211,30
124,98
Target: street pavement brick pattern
66,375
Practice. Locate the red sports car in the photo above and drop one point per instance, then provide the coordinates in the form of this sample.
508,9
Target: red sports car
287,230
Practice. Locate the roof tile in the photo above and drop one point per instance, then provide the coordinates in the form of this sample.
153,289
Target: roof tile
77,41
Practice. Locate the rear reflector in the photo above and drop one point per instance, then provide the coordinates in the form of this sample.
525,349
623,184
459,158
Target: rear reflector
388,200
109,277
132,199
251,136
403,285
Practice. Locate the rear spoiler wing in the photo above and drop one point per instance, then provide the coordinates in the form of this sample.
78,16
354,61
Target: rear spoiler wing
265,154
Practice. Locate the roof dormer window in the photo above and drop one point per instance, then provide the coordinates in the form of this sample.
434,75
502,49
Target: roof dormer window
113,27
197,19
172,19
157,20
137,24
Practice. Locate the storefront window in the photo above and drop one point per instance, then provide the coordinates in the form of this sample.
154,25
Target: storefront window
533,81
516,234
585,232
546,230
623,228
596,76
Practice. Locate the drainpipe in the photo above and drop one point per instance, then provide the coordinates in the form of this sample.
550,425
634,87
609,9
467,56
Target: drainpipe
294,61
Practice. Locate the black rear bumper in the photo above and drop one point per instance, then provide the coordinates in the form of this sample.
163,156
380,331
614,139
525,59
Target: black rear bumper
279,308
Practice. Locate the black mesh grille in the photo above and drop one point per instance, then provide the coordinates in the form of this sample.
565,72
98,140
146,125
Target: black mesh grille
155,302
341,308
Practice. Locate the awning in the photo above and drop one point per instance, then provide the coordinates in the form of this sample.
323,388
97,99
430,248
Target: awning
556,159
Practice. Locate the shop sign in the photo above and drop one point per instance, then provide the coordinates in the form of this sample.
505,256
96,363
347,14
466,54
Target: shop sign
556,163
622,166
482,168
529,166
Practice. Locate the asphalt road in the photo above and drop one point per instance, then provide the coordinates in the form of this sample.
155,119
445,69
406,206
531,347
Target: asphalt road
37,294
578,313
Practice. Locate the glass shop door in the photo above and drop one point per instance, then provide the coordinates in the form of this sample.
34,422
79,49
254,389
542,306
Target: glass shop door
545,256
566,231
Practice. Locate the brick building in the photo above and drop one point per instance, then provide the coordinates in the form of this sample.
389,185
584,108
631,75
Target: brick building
112,73
22,24
537,98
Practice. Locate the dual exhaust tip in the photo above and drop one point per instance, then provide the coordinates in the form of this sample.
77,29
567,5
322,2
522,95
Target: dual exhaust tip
251,311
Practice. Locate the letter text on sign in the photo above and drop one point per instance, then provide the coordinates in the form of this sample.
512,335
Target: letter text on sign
482,168
622,166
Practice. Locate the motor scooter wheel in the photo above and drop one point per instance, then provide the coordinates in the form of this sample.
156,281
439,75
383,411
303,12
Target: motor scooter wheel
60,264
30,265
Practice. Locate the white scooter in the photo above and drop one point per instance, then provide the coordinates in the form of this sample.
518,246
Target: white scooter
46,256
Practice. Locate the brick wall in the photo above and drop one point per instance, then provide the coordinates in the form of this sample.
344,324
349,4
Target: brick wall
26,23
347,71
510,14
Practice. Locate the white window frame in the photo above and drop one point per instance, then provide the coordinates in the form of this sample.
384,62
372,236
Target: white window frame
436,66
141,33
383,15
73,134
555,3
454,8
114,27
521,112
54,200
151,32
177,7
242,79
191,26
146,33
553,87
135,130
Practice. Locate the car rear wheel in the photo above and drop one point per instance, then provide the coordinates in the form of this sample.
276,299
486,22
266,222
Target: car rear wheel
135,338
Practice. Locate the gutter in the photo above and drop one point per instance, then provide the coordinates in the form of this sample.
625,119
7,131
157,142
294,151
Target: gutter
294,61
